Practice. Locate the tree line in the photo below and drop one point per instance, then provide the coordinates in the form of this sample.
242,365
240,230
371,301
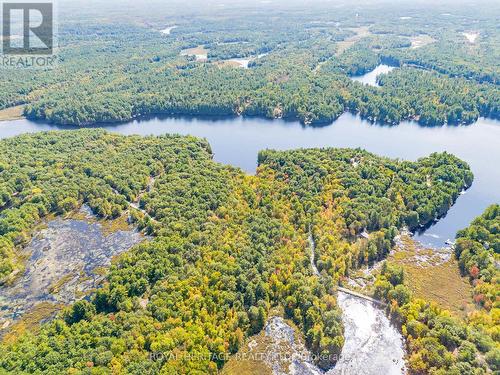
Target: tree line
439,343
225,248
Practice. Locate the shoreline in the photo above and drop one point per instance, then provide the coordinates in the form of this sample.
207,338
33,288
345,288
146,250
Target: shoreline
12,113
215,117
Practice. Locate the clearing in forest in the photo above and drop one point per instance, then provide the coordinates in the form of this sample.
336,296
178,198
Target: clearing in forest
361,32
434,275
11,113
422,40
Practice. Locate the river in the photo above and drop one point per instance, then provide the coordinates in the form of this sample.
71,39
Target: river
372,344
237,141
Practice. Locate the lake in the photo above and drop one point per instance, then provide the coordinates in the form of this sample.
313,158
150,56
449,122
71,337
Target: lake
372,343
370,78
238,140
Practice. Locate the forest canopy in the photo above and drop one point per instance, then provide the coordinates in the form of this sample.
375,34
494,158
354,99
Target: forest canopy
299,65
225,247
438,342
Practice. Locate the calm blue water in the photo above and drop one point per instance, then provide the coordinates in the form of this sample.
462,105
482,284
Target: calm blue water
237,141
370,78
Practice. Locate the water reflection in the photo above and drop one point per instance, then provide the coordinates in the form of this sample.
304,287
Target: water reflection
370,78
237,141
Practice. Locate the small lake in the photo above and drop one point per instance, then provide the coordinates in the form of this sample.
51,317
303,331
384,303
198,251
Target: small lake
238,140
370,78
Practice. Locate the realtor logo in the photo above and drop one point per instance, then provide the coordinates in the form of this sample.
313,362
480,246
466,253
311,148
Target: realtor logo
27,28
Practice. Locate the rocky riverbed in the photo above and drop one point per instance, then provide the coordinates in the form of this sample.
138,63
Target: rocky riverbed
372,345
278,350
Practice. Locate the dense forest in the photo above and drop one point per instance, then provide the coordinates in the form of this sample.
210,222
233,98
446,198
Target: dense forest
439,343
477,250
299,65
225,248
224,251
346,192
